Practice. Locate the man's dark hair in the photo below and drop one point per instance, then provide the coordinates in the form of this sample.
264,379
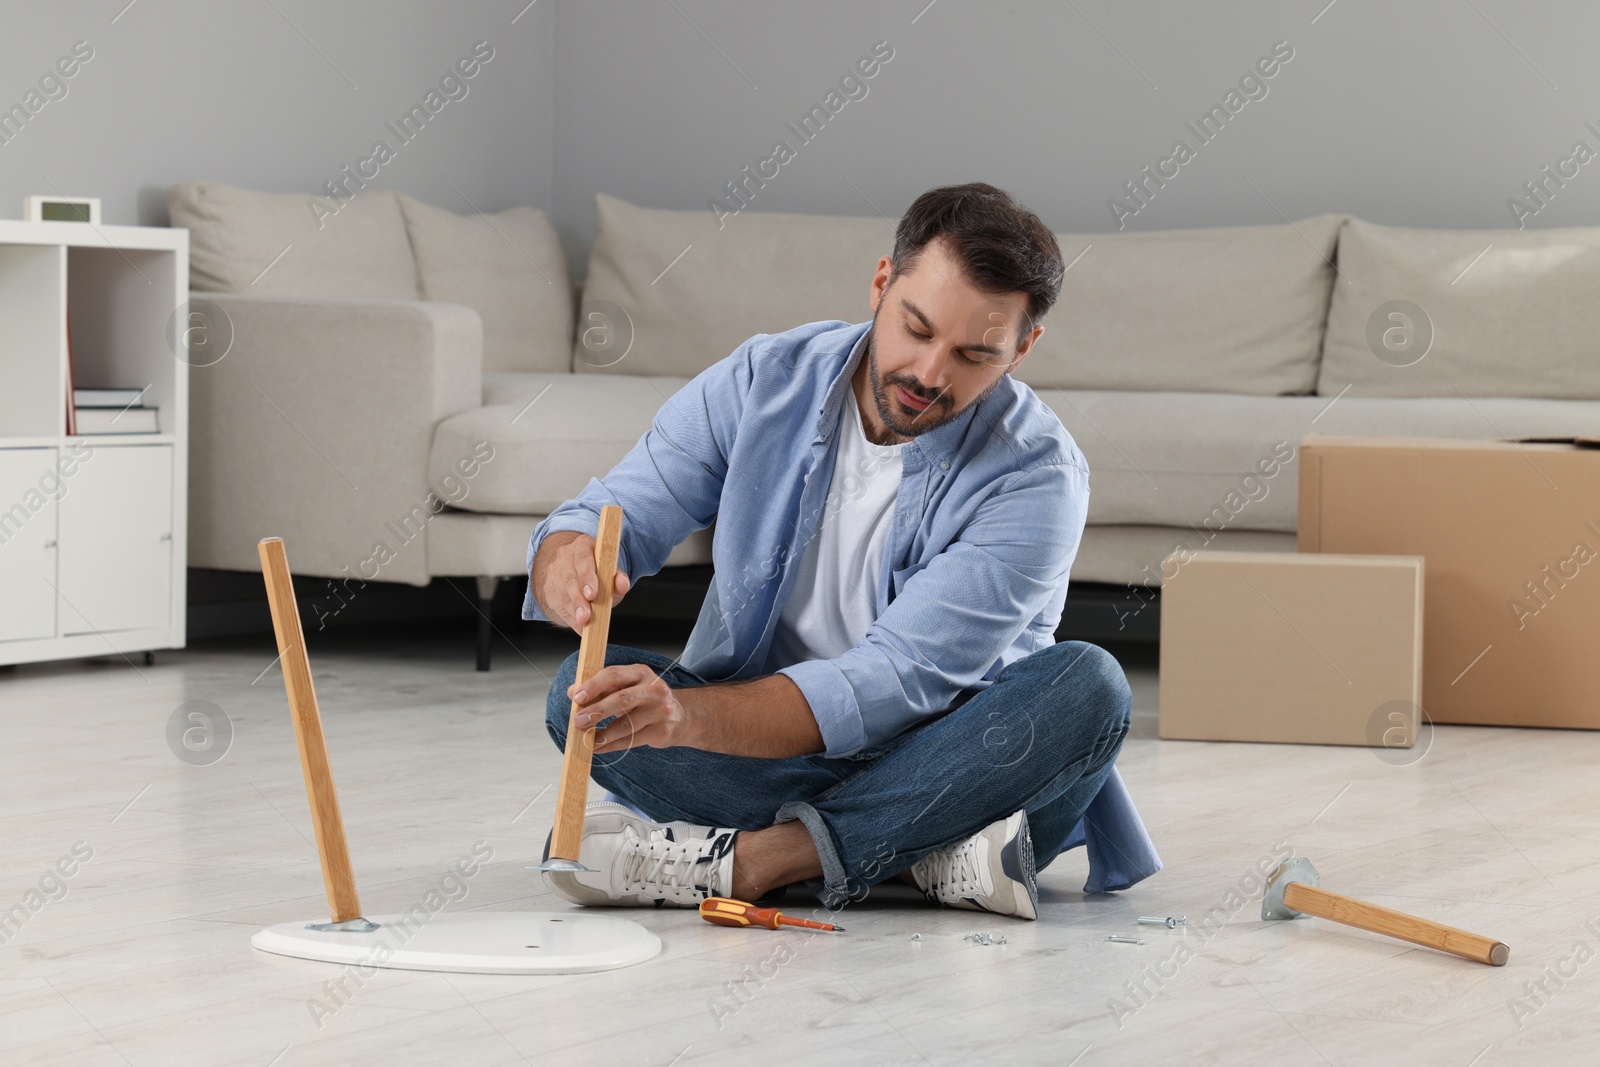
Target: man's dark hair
1002,246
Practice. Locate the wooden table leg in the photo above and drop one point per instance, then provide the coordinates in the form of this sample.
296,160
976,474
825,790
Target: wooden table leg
573,797
337,875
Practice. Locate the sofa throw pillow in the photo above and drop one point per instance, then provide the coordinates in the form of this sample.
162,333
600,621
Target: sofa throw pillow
672,292
1465,313
510,269
245,241
1236,309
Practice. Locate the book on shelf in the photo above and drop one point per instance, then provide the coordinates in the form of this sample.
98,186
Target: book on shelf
72,413
115,420
106,398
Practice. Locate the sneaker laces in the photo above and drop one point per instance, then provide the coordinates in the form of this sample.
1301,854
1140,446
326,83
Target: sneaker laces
953,873
657,864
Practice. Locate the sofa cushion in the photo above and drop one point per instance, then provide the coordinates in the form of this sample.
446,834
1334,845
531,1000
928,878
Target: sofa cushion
244,241
507,387
1195,461
509,268
1214,461
1238,309
1132,555
1232,310
1511,313
670,293
550,435
465,544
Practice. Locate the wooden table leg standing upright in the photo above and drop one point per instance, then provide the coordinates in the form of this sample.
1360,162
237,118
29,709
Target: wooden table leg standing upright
566,836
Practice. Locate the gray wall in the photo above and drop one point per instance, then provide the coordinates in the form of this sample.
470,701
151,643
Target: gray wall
1411,114
1428,113
275,96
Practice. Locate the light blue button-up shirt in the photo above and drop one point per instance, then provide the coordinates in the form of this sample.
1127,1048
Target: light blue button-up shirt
987,521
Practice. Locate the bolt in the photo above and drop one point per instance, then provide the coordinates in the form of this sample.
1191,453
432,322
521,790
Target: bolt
1169,922
1119,939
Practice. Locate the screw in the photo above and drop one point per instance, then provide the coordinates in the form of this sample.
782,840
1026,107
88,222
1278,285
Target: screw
1119,939
1169,922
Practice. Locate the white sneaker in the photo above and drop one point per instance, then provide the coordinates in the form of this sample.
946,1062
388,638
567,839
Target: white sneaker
638,863
990,871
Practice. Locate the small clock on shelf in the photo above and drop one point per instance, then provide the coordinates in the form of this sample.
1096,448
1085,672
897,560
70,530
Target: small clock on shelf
63,209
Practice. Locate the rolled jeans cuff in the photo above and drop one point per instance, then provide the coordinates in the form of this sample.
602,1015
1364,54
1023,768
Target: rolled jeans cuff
836,882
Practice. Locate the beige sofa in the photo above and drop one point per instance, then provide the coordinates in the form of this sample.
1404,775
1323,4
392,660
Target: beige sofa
408,391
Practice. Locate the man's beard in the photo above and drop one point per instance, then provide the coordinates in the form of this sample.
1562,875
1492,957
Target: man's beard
941,410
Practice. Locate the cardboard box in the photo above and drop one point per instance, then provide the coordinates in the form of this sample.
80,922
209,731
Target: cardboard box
1286,647
1511,535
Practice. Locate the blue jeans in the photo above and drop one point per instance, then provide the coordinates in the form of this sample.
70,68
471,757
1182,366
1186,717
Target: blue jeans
1042,737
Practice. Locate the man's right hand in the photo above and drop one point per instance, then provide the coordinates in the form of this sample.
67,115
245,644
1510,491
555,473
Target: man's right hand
564,579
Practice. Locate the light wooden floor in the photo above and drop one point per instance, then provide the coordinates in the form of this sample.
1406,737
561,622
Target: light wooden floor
145,959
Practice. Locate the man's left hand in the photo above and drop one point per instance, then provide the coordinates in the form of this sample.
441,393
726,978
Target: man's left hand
647,710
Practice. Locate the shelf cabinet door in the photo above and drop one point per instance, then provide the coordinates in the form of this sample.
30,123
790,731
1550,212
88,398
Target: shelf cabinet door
116,541
28,492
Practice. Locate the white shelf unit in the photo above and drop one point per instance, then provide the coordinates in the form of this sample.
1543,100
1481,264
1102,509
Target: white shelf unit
92,527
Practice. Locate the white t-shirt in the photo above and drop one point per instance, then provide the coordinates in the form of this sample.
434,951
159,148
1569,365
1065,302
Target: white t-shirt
832,601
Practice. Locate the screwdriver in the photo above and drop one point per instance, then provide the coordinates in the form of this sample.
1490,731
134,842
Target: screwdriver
725,911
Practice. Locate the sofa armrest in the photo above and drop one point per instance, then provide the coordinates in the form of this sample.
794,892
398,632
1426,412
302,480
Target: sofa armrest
315,427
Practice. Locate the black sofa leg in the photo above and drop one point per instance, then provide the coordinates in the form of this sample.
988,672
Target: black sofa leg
486,588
